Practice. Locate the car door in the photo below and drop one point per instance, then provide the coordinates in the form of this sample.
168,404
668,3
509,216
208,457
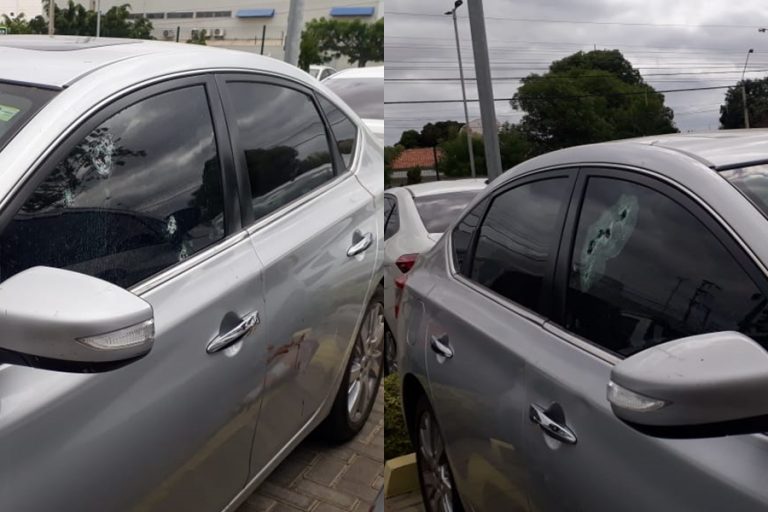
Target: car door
480,322
391,272
142,195
316,231
641,263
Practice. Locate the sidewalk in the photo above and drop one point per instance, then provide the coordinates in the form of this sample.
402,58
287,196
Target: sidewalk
410,502
317,477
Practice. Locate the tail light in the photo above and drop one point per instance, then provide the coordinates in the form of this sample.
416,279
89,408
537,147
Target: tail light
406,262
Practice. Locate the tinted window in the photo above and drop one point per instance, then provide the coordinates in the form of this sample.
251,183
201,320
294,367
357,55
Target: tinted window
463,232
285,143
393,222
364,95
752,182
517,238
17,105
438,211
644,270
140,193
344,130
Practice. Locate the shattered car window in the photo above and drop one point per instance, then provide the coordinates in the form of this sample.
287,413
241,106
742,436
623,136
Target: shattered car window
140,193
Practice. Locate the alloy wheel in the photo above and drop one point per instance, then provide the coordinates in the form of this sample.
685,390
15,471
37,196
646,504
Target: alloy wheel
435,473
366,364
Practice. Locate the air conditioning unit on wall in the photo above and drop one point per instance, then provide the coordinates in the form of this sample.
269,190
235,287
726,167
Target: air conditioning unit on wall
219,33
169,34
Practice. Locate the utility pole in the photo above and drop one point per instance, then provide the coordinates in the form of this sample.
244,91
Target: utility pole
51,14
98,18
293,35
744,89
467,128
485,88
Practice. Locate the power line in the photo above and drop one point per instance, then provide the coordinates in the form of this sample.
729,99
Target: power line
584,22
449,79
576,96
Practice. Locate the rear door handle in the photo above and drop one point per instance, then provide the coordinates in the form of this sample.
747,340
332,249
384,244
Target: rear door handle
552,422
440,346
239,332
363,242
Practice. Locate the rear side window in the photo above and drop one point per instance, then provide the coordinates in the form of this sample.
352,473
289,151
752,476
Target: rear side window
438,211
284,141
344,130
364,95
517,240
463,233
142,192
18,104
645,270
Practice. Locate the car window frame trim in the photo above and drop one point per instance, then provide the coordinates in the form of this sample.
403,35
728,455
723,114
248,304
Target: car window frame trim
103,111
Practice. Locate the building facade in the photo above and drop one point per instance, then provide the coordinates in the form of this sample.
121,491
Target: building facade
257,26
12,8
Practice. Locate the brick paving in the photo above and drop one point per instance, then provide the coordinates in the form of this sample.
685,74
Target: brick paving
318,477
410,502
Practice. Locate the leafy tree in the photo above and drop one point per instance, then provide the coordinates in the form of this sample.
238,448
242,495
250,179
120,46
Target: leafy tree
410,139
199,38
590,97
76,20
455,161
513,146
324,40
17,24
732,111
432,134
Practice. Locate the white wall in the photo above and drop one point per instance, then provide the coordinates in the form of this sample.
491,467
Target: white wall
30,8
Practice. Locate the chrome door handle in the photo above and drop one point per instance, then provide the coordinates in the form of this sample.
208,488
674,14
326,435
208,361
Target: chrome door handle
553,427
243,328
361,245
440,346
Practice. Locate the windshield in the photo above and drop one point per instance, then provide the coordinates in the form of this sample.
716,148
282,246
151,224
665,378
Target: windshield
439,210
364,95
753,183
18,103
314,71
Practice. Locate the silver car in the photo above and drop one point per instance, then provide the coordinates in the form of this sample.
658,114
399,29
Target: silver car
190,272
592,334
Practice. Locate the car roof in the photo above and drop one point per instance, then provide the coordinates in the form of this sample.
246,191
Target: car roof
60,61
446,186
371,72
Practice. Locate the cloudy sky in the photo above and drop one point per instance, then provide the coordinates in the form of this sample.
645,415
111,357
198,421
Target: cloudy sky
676,45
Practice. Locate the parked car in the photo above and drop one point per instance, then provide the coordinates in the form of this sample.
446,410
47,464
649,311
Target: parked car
190,272
415,217
592,334
363,90
321,72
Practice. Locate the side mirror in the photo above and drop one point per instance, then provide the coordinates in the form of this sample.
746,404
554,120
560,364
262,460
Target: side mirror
702,386
61,320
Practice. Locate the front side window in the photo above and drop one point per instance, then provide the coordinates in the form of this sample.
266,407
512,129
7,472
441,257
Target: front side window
517,240
285,143
645,270
344,130
140,193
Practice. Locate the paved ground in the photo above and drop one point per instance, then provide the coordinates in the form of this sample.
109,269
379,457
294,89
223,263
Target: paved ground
322,478
406,503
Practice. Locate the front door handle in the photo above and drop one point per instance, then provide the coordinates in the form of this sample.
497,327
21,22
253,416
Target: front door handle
362,243
242,329
552,422
440,346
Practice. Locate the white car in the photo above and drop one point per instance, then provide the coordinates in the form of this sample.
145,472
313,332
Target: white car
363,90
415,217
321,72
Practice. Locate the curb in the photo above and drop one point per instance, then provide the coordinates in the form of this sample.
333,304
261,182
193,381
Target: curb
400,475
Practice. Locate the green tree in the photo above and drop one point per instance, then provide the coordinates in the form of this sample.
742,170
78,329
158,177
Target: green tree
589,97
513,146
199,38
414,175
455,161
16,25
324,40
76,20
432,134
732,110
410,139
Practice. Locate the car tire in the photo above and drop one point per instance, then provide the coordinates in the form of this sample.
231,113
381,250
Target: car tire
438,488
390,352
362,376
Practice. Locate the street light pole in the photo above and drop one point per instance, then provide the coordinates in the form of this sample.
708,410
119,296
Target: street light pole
98,18
744,89
51,14
467,128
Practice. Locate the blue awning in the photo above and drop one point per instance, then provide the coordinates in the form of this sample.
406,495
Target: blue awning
352,11
255,13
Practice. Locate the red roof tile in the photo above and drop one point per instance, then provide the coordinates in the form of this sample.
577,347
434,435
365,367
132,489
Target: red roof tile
416,157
